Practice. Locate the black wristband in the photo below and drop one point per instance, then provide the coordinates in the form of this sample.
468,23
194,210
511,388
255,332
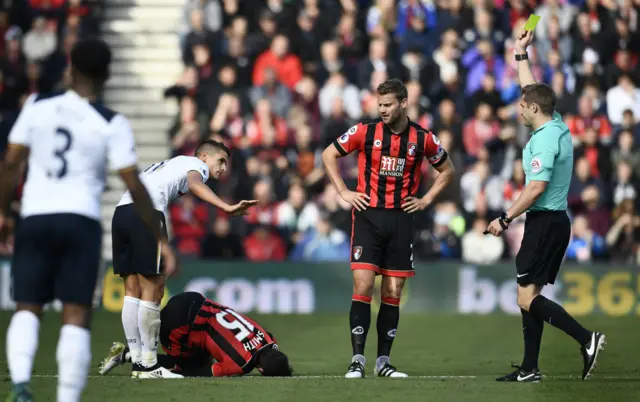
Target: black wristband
520,57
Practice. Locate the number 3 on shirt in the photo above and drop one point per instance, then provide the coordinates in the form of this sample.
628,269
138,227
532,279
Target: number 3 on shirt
60,153
242,326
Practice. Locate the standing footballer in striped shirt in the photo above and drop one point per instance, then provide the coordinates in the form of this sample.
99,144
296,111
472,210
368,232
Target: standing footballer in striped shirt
389,160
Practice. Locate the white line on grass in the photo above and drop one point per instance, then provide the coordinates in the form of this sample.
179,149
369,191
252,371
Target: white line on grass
317,377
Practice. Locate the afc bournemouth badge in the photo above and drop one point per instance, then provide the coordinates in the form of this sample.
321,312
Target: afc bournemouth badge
357,252
411,148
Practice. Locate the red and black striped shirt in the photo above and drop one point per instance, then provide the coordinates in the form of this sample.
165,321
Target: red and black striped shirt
232,339
389,164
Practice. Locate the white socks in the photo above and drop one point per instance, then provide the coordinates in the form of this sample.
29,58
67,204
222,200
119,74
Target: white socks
149,326
74,358
130,325
359,358
22,344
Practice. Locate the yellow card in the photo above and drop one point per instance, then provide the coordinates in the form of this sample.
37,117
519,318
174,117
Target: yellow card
531,22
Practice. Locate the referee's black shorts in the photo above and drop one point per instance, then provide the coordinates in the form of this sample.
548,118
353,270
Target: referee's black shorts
545,241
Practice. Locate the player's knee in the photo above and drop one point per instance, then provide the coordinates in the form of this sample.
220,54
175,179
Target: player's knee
78,315
132,287
524,300
363,288
33,308
152,288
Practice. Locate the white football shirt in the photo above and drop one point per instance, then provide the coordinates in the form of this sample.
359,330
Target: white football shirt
167,180
71,144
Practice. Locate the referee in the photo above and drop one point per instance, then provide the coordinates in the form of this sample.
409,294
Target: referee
547,160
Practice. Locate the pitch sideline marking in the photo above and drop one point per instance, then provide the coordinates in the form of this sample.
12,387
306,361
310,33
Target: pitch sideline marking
311,377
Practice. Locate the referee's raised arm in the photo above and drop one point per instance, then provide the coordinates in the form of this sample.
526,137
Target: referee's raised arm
525,75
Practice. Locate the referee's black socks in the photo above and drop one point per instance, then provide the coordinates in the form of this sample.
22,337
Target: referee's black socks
388,318
359,322
557,316
532,327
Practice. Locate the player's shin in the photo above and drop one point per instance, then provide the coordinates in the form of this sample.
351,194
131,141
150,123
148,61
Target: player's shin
532,327
74,358
149,325
130,313
359,322
22,344
387,325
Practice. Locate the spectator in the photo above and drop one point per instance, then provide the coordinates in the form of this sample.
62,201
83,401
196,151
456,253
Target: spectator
211,15
626,153
338,87
481,60
478,248
221,244
188,220
480,130
322,242
277,94
554,39
286,65
265,213
295,213
441,242
39,43
623,96
378,60
584,246
264,244
198,34
586,119
623,238
596,153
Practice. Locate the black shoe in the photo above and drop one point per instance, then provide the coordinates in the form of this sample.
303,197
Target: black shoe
520,375
356,370
590,352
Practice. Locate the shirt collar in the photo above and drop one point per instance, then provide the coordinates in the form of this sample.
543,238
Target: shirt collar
554,117
387,130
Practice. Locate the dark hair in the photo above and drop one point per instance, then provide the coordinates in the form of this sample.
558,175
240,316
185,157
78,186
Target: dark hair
209,145
274,363
542,95
393,86
91,57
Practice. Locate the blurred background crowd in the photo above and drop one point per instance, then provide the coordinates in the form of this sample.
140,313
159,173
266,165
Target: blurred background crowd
36,37
279,80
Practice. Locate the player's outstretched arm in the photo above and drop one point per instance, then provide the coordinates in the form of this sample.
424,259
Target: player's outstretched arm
15,157
144,206
202,191
330,157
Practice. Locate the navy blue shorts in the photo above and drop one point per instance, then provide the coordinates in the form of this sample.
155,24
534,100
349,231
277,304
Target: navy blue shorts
56,256
136,249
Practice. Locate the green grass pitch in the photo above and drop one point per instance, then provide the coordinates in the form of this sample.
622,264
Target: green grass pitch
450,358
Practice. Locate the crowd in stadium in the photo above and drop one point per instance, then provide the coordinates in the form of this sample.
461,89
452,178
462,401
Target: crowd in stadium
278,83
36,37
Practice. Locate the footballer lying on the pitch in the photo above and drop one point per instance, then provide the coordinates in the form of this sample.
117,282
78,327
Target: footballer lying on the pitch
202,338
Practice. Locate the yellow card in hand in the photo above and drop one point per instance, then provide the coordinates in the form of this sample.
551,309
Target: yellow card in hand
531,22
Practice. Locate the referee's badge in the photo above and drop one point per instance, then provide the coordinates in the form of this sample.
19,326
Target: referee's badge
536,165
357,252
411,148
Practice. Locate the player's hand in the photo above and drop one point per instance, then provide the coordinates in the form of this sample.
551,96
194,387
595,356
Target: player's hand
241,207
525,38
413,204
169,260
6,227
360,201
494,228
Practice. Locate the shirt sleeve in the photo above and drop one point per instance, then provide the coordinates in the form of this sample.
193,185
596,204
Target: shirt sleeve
121,146
20,132
352,140
543,156
433,150
201,168
226,368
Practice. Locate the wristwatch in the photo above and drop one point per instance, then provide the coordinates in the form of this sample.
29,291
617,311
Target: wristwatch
520,57
504,221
